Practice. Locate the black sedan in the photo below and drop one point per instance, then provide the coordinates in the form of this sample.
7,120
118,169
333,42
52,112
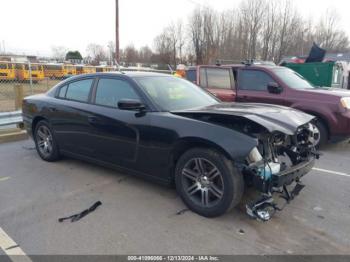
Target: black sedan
168,129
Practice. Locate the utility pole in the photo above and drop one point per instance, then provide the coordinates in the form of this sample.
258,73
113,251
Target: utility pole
117,31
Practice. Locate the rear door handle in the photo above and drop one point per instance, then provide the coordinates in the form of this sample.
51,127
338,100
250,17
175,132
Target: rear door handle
93,120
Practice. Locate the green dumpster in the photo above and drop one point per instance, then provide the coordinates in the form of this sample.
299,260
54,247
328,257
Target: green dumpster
329,74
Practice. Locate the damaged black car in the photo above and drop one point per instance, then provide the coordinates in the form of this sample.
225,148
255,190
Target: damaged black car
169,130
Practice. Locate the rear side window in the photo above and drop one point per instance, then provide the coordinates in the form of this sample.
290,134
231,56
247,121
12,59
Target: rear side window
79,90
219,78
110,91
254,80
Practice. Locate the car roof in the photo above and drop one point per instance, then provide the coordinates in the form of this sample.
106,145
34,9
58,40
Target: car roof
130,74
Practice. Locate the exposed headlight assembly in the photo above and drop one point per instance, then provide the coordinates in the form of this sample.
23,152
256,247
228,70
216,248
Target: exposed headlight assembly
345,102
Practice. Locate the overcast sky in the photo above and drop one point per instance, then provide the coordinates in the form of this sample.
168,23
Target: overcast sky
34,26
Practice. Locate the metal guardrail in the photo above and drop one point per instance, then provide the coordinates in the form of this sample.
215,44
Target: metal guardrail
11,118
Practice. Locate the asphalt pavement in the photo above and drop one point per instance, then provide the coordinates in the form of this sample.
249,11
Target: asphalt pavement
139,217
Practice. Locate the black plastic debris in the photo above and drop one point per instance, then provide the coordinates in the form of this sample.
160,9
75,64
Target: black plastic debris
241,232
82,214
181,212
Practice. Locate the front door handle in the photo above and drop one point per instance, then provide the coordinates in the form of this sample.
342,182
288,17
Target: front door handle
93,120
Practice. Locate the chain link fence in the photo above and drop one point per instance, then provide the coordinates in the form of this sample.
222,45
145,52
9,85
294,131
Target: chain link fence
18,80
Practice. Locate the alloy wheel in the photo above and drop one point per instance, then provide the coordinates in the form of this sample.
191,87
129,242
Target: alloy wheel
202,182
44,141
316,135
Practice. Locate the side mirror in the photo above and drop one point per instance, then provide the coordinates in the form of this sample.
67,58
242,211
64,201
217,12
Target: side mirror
274,88
131,104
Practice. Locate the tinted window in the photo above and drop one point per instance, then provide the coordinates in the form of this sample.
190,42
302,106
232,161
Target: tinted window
79,90
218,78
111,91
254,80
19,66
62,93
191,75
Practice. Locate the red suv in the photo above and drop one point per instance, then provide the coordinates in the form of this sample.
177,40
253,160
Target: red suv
281,86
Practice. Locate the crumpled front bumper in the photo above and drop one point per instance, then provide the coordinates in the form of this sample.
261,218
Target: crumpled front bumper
264,207
292,174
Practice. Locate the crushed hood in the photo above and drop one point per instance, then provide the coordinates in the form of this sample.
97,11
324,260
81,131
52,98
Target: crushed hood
272,117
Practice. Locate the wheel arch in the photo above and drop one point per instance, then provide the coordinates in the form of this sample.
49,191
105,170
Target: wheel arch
35,121
187,143
321,118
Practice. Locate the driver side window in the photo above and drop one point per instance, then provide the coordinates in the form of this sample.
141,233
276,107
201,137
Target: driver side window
110,91
254,80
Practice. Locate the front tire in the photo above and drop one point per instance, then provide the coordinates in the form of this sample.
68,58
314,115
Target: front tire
208,182
45,142
321,133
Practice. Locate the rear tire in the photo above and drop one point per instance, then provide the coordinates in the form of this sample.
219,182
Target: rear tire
45,142
208,182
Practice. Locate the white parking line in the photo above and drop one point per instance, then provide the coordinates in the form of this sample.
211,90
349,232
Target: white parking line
11,248
330,172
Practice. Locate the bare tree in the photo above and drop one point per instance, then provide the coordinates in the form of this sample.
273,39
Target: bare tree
111,52
145,54
131,55
165,46
59,53
197,35
252,16
181,41
97,53
261,29
328,34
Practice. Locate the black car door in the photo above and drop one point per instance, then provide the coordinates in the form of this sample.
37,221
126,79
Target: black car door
70,116
115,133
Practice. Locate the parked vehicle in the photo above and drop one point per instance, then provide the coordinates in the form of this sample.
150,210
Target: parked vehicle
24,73
165,128
54,71
327,74
7,71
280,86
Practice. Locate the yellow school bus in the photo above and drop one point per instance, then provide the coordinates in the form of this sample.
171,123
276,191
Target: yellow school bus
104,69
82,69
7,71
23,72
53,71
69,70
89,69
109,69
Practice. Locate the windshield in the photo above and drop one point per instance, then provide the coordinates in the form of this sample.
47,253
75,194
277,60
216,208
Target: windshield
292,79
172,93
